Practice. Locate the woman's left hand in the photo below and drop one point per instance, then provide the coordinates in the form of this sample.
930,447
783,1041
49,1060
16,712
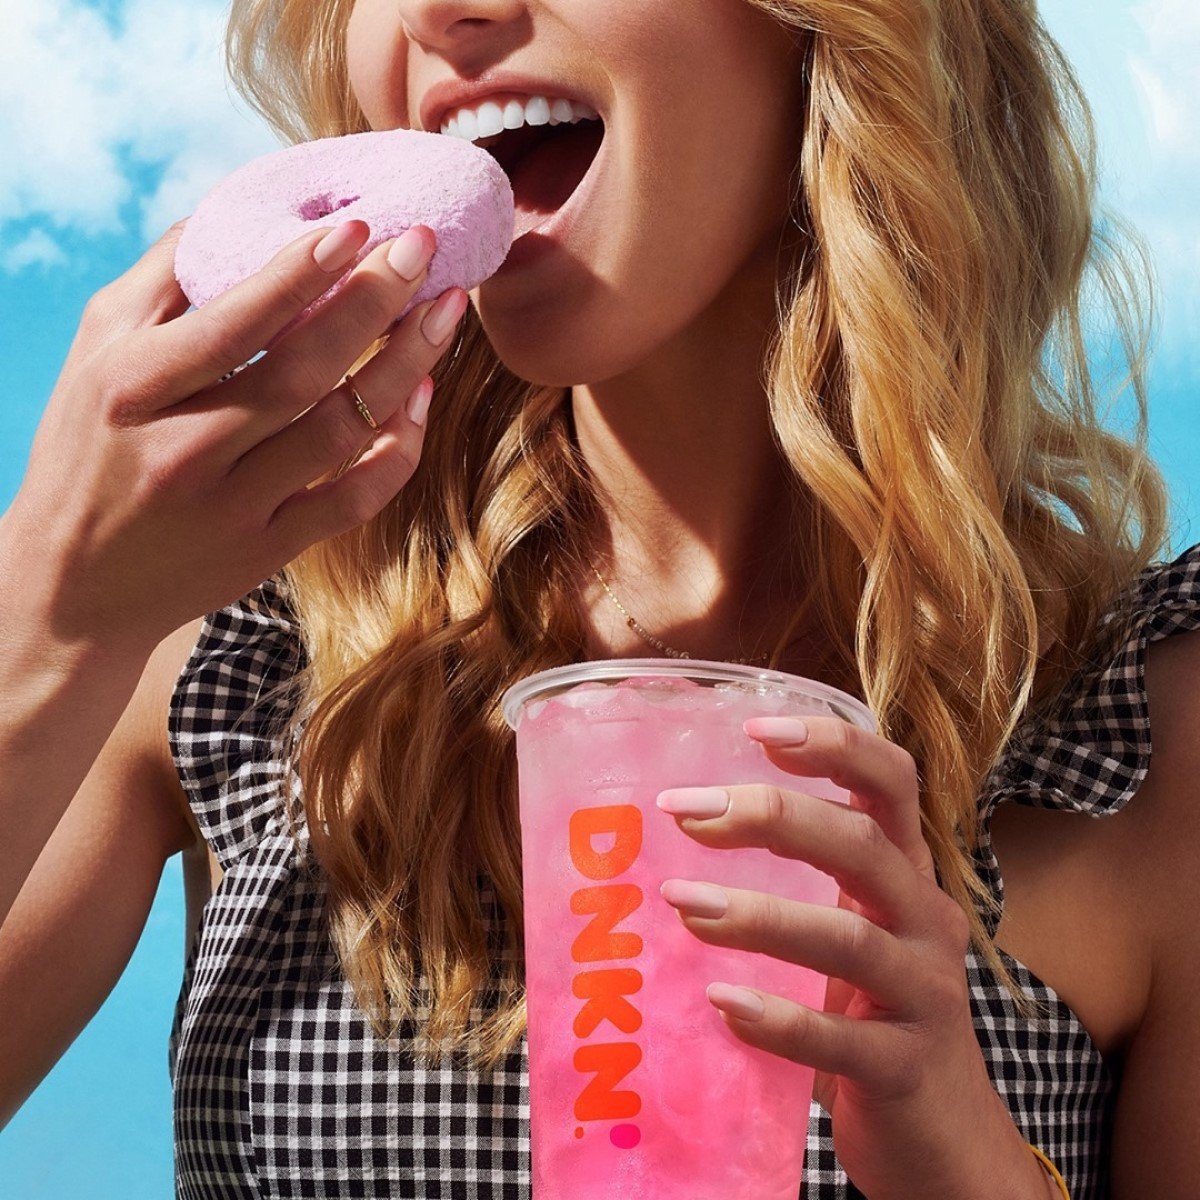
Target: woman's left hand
899,1068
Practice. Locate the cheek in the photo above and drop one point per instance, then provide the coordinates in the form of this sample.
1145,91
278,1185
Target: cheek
702,162
376,51
699,206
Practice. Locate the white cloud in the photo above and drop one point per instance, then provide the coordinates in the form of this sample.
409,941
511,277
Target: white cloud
1137,61
37,248
1166,75
1168,120
1164,200
86,110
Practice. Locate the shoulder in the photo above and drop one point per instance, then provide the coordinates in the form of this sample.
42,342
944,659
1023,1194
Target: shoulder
1088,749
201,681
1161,825
1160,1103
152,703
1159,713
231,701
1154,844
1160,665
227,684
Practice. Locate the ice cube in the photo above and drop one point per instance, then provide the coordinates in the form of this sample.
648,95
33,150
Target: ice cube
731,688
673,682
808,707
661,689
583,695
751,697
592,701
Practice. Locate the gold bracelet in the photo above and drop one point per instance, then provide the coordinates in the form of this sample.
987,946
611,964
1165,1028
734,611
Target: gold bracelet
1051,1170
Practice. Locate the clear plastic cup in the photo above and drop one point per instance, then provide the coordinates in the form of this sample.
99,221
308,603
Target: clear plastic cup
637,1087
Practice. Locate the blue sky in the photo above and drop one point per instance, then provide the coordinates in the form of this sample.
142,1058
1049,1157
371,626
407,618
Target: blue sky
115,119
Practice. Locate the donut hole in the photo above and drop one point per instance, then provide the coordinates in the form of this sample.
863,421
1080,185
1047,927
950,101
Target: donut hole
321,206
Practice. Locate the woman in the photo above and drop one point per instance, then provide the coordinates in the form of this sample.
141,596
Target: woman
802,384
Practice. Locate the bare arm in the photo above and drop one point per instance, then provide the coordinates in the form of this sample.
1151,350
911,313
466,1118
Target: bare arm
59,703
74,925
129,521
161,485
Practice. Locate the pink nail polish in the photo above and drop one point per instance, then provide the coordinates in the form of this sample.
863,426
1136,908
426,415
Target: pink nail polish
699,899
699,802
418,402
737,1001
410,252
444,315
783,730
339,246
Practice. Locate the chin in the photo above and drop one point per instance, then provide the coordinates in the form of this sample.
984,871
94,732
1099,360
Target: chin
563,364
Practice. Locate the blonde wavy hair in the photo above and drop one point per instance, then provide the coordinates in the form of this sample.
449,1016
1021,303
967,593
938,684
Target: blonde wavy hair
968,517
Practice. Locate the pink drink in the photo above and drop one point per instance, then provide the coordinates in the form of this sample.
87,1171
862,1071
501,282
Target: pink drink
637,1087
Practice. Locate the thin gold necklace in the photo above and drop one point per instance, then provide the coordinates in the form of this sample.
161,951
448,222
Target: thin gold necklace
657,643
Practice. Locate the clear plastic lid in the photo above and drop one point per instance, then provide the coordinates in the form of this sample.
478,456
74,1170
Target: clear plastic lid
542,684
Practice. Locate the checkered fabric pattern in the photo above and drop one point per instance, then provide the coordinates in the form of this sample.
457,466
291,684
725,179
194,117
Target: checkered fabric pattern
281,1088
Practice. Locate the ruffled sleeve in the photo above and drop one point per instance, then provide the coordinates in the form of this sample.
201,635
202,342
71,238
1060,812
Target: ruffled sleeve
1093,755
226,716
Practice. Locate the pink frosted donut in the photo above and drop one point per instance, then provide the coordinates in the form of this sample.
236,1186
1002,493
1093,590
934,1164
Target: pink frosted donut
392,180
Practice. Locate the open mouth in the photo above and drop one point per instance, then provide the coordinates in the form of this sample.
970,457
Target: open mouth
545,163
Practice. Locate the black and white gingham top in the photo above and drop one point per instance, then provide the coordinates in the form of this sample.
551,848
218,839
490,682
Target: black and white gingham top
280,1088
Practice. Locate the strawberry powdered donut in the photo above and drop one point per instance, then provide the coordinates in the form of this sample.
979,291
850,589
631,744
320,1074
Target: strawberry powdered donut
391,179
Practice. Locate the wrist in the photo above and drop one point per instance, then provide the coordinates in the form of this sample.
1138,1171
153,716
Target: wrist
1054,1189
38,628
1012,1170
993,1161
1017,1170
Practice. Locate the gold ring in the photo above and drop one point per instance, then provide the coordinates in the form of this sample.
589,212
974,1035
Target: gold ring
359,403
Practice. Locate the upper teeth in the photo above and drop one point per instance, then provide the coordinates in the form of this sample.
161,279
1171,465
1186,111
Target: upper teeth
488,118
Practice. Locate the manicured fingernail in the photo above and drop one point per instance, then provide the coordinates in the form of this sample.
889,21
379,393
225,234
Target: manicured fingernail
418,402
737,1001
340,245
790,731
444,315
700,899
409,253
700,802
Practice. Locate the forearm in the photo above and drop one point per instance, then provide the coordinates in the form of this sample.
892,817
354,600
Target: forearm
59,702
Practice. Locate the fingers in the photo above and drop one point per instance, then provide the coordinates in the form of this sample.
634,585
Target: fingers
833,941
843,842
330,432
881,776
864,1051
312,359
203,345
343,503
337,505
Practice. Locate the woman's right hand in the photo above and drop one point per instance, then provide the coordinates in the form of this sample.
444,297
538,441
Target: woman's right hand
156,493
